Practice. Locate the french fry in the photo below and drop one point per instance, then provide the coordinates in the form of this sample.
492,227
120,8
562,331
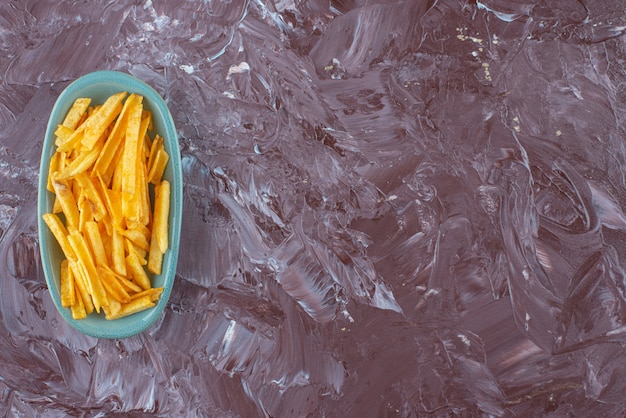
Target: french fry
146,208
80,164
157,144
76,113
85,213
114,141
153,293
137,238
88,188
96,244
63,133
60,234
137,272
112,285
112,311
72,142
100,121
128,285
81,286
155,257
113,200
158,166
140,228
55,162
134,306
118,255
113,237
138,251
86,263
161,214
78,308
141,187
56,206
68,293
67,202
129,160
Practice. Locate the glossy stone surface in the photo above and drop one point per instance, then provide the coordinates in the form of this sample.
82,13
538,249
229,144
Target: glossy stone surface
390,208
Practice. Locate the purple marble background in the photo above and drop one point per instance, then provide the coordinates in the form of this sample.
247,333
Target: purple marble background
409,208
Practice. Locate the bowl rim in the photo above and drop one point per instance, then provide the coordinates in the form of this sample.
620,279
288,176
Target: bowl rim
108,81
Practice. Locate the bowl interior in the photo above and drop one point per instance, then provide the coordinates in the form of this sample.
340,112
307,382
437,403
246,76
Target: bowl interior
99,86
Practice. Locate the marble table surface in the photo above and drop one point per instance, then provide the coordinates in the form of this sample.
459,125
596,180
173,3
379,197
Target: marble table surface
391,208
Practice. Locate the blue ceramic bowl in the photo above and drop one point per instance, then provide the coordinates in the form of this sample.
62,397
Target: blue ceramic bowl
99,86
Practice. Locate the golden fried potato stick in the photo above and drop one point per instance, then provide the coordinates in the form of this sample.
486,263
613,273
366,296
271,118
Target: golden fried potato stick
139,275
161,214
112,285
68,144
153,293
158,167
54,168
129,160
138,238
112,311
60,234
85,262
81,286
138,251
56,206
155,257
146,206
90,191
63,133
85,213
92,233
156,144
112,199
76,112
140,228
81,163
68,294
78,308
67,202
96,124
141,186
134,306
114,143
118,255
128,284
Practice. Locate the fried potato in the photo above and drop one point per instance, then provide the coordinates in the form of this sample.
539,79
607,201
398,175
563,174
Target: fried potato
87,265
76,112
89,189
155,257
96,244
161,214
118,253
139,275
115,140
81,287
112,285
112,234
60,234
134,306
67,202
78,308
96,124
158,166
68,294
129,160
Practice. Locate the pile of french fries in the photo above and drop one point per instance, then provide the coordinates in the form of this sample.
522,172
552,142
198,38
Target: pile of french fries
113,235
